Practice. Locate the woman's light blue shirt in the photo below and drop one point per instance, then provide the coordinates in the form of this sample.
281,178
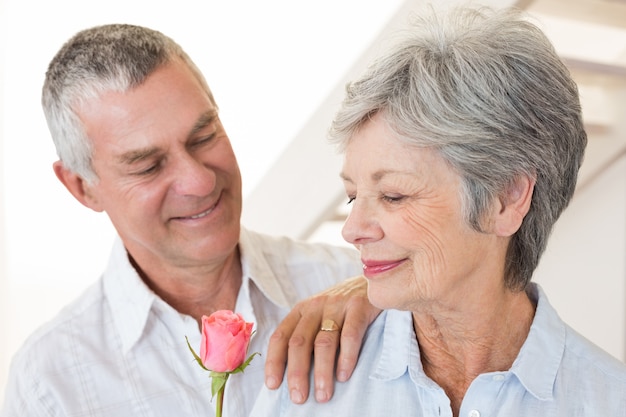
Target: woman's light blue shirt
557,373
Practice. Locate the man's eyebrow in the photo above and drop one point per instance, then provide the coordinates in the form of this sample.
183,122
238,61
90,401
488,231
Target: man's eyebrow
137,155
203,121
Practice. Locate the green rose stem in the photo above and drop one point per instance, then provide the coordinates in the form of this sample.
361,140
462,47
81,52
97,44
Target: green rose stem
218,383
218,379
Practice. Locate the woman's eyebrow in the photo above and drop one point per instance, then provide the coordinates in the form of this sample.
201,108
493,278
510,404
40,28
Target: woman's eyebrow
378,175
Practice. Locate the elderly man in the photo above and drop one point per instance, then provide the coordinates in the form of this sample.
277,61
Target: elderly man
139,137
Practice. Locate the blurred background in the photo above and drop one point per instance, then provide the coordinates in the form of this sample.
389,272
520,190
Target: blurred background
277,69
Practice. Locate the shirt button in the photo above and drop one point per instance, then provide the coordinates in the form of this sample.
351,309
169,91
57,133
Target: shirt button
498,377
474,413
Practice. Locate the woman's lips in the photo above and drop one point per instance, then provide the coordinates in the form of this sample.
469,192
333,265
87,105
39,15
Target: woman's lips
372,268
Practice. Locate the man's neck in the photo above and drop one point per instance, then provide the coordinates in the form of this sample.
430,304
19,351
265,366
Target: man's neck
196,291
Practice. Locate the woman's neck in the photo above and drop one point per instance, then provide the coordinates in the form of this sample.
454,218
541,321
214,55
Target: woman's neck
459,343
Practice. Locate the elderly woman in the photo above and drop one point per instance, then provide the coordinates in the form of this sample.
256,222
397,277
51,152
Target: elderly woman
462,147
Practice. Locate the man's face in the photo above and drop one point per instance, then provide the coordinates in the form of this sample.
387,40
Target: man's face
168,177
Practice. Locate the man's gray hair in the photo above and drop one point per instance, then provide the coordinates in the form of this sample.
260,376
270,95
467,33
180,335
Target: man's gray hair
114,57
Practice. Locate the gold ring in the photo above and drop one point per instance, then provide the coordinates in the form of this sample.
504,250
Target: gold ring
329,325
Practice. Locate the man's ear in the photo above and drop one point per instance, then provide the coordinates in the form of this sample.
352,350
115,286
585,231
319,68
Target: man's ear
513,206
77,186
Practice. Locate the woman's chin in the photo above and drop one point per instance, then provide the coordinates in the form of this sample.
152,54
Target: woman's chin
383,296
382,302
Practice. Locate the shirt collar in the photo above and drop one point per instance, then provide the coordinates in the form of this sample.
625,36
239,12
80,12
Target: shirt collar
255,265
536,365
394,356
400,351
129,297
539,359
131,300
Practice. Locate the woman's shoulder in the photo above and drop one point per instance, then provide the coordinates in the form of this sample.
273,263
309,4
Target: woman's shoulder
583,356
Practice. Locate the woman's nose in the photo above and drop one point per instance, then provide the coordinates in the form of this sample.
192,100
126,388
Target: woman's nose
361,225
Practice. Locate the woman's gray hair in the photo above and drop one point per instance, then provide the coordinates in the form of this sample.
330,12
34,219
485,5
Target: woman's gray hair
486,89
114,57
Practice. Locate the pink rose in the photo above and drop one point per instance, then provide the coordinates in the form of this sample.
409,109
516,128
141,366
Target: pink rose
225,339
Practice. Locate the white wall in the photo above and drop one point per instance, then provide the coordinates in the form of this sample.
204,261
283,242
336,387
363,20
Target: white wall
3,258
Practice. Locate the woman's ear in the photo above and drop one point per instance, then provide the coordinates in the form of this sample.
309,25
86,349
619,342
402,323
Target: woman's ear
514,205
77,186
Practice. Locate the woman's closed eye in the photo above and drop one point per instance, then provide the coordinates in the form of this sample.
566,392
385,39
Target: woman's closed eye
392,198
386,198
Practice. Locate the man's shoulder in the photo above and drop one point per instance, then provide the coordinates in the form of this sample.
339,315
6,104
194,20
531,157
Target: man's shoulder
65,330
294,250
289,270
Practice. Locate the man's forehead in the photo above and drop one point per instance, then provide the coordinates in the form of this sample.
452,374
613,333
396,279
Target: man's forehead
135,151
164,105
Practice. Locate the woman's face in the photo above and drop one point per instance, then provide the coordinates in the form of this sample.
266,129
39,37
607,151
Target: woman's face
407,222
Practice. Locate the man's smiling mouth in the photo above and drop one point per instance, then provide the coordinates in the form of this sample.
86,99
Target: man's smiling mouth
199,215
204,213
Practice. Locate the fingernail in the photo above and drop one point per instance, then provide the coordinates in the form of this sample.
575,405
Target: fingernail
320,396
271,382
342,376
296,396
